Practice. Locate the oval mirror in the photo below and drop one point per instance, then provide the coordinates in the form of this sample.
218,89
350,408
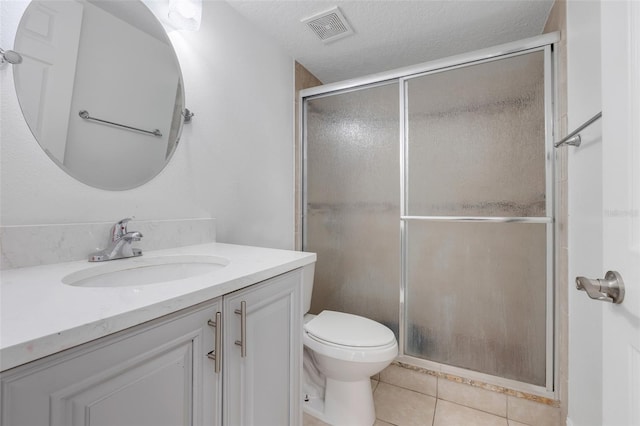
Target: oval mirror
101,89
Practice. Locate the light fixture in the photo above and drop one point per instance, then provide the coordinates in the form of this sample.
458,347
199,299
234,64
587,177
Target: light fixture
185,14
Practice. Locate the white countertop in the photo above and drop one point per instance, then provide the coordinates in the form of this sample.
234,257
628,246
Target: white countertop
40,315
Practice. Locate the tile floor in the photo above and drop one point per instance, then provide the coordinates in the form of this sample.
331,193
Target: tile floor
405,397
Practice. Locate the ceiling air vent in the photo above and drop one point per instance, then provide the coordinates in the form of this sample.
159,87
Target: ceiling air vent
330,25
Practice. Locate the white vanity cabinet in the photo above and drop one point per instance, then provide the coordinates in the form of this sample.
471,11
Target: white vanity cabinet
262,386
159,372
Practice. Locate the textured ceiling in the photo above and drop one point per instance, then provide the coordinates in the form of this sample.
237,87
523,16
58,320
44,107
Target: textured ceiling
393,33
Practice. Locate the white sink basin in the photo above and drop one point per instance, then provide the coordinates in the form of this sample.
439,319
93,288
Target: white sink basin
144,271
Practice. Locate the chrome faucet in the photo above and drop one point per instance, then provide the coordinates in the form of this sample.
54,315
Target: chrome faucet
120,245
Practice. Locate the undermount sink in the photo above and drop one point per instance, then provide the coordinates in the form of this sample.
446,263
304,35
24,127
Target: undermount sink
144,271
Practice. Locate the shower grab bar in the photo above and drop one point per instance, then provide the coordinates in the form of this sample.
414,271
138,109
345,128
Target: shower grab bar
574,138
85,115
480,219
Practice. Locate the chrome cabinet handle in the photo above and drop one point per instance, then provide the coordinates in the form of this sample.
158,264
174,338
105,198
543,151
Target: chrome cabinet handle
216,353
243,328
609,289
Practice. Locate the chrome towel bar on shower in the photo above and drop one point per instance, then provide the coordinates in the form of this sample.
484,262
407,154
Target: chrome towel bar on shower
573,138
85,115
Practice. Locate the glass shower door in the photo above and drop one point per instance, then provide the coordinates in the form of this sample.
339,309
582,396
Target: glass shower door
428,198
478,218
352,201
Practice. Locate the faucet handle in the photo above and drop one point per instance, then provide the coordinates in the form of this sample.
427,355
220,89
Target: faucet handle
119,229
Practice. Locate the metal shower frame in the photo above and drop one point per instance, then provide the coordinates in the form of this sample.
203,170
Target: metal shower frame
401,76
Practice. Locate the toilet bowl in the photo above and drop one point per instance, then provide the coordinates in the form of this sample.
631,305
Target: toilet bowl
342,352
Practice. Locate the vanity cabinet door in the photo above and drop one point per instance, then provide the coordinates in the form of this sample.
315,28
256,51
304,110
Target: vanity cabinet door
154,374
262,388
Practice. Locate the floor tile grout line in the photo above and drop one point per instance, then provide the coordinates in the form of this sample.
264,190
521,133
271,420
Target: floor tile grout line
435,407
474,408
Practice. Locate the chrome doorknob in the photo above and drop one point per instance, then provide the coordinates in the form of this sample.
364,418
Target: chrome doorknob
609,289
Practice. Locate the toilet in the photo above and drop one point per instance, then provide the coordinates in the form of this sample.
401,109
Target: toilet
341,352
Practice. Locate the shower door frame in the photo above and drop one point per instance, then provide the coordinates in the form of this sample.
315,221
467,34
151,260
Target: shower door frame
543,43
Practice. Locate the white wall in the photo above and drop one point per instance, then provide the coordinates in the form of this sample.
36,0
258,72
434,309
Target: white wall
234,162
247,85
585,212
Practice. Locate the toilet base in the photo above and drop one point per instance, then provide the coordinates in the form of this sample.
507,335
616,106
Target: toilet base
349,403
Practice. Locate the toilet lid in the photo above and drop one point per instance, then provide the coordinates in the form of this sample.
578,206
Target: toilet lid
348,330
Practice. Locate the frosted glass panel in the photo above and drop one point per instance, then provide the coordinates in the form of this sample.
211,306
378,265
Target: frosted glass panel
352,203
476,297
476,140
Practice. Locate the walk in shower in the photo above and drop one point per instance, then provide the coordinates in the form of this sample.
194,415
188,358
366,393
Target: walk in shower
427,193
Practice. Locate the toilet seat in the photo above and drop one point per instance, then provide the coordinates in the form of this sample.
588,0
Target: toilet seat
321,337
342,329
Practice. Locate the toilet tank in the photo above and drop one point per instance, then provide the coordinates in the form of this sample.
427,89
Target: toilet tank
307,286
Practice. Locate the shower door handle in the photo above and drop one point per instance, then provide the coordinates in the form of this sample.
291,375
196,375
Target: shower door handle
609,289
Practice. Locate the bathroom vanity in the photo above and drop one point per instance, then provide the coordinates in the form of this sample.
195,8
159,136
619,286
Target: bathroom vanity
221,347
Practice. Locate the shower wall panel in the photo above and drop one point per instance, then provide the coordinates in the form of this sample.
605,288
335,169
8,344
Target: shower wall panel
352,202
